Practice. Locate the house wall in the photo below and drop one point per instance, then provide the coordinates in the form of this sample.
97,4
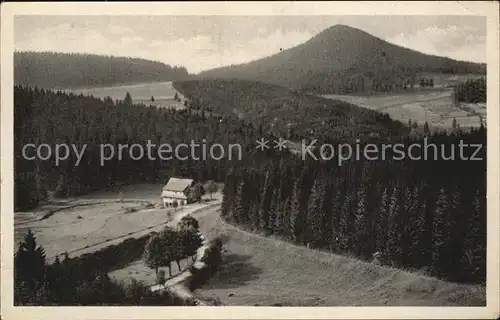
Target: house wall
178,196
167,202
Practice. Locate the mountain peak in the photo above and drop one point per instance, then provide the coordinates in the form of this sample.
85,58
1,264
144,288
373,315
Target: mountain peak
331,53
343,31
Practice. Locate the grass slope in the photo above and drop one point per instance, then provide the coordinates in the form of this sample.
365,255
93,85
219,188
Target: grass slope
264,271
284,110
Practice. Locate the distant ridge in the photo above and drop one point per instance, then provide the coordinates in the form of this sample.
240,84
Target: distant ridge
76,70
337,51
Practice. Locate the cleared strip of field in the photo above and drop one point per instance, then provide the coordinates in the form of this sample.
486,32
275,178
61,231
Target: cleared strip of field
436,107
88,228
265,271
162,92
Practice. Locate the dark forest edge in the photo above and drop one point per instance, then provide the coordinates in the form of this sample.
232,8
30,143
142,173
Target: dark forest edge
471,91
75,70
422,215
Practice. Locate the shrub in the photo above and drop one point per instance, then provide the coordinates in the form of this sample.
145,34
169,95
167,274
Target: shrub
130,209
212,259
160,277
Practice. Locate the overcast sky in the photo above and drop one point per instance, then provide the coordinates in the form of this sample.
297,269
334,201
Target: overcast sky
204,42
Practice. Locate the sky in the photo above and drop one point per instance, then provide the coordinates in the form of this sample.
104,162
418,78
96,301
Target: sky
204,42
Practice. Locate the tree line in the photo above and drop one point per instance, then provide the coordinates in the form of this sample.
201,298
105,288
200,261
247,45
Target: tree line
84,280
71,70
427,215
472,91
357,81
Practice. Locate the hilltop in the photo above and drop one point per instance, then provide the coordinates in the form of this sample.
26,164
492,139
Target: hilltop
336,56
76,70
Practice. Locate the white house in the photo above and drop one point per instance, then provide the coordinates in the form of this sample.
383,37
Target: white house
176,191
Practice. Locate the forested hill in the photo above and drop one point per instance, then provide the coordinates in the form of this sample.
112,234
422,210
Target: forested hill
72,70
339,57
287,112
49,117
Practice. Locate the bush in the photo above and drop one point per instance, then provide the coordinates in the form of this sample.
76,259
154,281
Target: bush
160,277
212,259
130,209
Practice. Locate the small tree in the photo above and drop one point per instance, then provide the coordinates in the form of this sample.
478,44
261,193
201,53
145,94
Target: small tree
152,99
169,240
176,97
426,128
211,187
188,222
29,270
195,192
136,290
160,277
154,253
128,98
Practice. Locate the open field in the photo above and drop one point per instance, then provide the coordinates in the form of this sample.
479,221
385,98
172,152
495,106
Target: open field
264,271
91,227
434,106
163,93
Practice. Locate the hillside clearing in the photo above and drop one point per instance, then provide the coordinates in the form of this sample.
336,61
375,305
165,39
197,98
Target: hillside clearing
162,92
264,271
435,107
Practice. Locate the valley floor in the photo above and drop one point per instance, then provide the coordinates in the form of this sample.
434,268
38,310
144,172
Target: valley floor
265,271
104,221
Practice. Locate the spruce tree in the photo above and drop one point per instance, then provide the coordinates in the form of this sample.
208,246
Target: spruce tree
265,201
382,222
29,269
345,233
295,213
441,237
474,254
315,214
393,250
273,211
128,99
362,226
239,205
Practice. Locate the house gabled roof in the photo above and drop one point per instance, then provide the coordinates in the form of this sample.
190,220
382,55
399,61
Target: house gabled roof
172,195
177,185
